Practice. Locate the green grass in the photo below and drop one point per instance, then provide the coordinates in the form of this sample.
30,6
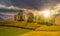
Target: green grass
13,31
10,31
21,24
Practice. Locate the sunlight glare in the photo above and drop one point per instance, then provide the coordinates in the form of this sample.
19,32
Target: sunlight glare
46,13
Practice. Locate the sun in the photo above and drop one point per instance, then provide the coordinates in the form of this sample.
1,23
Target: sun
46,13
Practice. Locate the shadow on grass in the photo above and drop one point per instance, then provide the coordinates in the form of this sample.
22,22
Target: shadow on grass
17,27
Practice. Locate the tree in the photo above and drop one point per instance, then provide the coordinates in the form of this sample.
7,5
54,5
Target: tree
30,17
20,16
15,17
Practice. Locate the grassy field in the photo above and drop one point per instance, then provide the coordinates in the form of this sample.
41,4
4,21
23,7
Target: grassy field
10,31
42,33
20,24
16,28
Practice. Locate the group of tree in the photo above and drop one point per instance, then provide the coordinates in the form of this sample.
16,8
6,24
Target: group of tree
21,17
32,18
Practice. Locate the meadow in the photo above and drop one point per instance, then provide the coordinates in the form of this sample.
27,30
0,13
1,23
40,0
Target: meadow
17,28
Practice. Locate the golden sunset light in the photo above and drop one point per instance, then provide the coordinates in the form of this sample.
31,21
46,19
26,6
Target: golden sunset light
46,13
29,17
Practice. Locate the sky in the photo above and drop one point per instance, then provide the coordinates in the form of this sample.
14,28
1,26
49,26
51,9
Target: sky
30,4
7,5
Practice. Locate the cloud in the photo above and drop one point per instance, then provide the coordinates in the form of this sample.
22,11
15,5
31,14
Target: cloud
31,4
